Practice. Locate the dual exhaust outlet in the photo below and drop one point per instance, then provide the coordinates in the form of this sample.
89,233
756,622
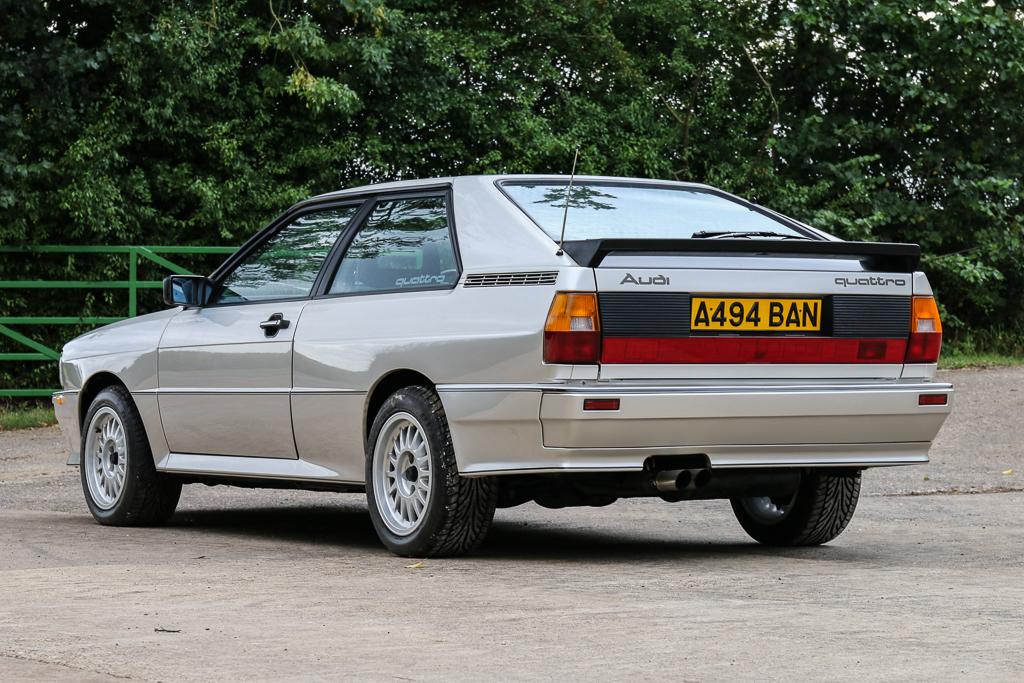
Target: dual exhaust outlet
700,483
675,481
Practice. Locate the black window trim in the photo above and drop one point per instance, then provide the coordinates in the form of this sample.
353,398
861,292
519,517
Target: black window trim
768,213
259,239
337,254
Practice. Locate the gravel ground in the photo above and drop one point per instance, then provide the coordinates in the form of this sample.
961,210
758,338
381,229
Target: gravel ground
925,584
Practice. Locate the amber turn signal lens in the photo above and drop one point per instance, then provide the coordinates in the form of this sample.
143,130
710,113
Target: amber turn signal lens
925,315
573,312
572,333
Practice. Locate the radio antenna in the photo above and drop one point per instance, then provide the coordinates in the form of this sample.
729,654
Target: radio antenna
568,195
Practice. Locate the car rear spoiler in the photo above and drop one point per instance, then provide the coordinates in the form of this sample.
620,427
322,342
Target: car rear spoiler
879,256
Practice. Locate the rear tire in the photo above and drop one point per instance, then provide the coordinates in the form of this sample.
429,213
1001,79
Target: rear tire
120,481
820,509
419,504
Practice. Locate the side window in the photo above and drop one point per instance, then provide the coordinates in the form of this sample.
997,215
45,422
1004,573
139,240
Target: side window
404,244
286,265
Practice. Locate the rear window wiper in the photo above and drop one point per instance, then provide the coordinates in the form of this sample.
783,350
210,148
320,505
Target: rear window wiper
712,234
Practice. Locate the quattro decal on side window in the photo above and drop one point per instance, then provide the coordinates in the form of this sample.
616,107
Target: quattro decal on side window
404,244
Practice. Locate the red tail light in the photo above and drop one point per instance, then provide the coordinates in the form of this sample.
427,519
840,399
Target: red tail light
572,333
705,350
925,342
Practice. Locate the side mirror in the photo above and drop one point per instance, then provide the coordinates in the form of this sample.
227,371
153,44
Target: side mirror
186,290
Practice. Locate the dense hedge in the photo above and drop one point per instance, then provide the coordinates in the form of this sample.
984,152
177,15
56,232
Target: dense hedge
196,122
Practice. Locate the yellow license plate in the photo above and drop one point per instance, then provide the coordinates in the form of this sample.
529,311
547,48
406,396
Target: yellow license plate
762,315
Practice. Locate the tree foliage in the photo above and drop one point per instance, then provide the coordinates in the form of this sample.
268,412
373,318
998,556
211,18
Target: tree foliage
196,122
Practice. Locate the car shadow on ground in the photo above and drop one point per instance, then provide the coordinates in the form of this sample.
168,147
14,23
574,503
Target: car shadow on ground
509,540
336,525
347,526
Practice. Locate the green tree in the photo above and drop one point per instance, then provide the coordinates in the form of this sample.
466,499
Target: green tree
197,122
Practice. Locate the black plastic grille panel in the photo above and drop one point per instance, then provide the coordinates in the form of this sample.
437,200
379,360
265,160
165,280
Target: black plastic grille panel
864,315
645,314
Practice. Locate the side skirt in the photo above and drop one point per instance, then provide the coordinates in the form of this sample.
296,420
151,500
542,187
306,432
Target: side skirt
272,472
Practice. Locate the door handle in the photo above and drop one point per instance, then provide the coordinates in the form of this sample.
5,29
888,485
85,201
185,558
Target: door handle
275,322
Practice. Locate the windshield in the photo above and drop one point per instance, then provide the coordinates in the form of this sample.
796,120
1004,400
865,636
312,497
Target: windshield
607,210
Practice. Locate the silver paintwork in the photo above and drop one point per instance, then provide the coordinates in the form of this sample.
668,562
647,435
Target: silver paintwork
218,398
106,458
290,469
224,384
921,285
734,425
748,280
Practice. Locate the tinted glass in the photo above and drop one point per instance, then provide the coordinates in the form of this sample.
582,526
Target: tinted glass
405,244
286,265
604,211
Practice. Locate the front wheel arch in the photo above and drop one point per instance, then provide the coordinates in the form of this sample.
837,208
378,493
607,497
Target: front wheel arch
91,388
146,496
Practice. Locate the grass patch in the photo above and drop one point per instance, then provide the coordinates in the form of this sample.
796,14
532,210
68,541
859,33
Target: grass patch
968,359
25,417
983,348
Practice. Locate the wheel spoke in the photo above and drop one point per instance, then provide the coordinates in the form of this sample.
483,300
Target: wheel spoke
105,457
400,473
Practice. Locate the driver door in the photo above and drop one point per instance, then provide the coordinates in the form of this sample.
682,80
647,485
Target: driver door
225,369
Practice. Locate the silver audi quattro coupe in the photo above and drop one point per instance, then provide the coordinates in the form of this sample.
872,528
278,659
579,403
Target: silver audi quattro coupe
454,345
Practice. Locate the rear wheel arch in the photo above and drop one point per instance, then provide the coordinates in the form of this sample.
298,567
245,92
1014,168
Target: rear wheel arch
387,385
410,457
91,389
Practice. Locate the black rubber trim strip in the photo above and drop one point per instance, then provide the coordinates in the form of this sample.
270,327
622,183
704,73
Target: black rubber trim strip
876,256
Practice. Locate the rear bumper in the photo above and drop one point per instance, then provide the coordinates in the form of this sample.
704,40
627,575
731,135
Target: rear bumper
545,428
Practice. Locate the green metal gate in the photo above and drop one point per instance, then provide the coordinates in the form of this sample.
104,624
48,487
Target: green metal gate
37,351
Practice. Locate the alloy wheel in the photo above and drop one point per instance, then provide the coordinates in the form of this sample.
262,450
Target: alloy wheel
106,458
401,473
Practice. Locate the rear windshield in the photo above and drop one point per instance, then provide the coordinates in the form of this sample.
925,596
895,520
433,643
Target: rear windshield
607,210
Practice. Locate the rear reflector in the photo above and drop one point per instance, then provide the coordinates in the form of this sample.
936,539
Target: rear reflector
932,399
600,404
670,350
572,333
925,343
